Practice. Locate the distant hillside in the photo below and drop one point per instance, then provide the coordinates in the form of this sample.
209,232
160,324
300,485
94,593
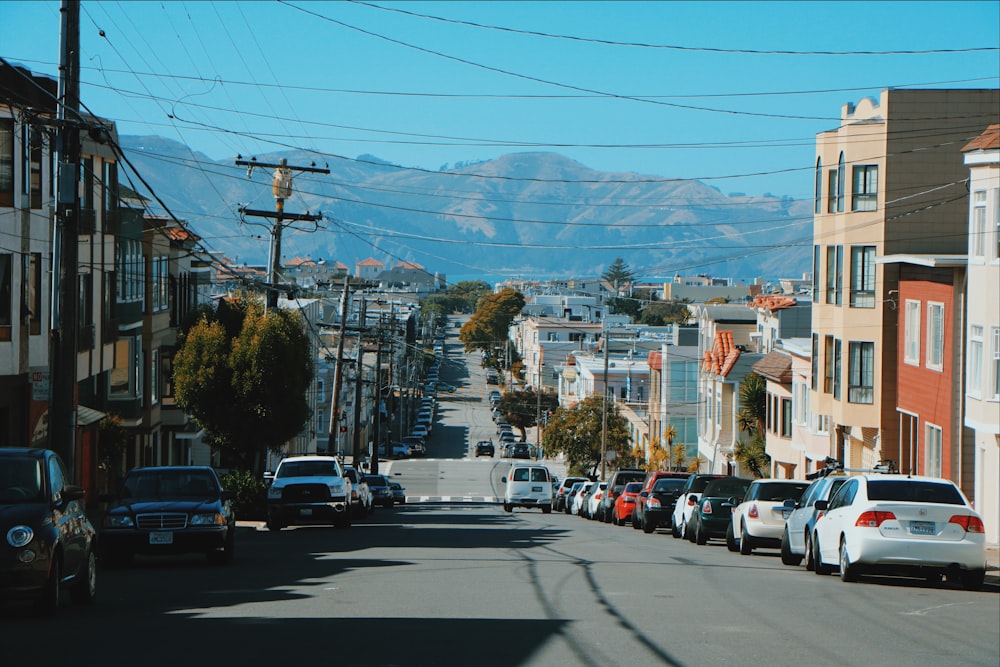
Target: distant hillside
523,214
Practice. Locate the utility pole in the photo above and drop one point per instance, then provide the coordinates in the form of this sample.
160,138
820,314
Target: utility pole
333,444
66,247
358,383
604,407
377,391
281,186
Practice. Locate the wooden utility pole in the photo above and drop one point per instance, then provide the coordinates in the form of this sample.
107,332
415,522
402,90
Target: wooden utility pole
333,444
281,186
65,311
377,392
359,382
604,408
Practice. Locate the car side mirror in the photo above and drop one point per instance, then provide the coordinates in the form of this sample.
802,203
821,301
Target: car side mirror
72,492
790,504
821,505
644,494
503,480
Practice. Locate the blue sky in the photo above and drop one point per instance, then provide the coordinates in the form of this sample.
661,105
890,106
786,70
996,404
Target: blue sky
349,78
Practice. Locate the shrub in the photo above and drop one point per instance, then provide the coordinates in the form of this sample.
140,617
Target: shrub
251,494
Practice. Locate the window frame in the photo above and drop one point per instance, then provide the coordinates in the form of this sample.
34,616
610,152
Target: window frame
864,187
912,309
933,449
8,182
978,233
834,274
974,370
863,268
934,354
861,372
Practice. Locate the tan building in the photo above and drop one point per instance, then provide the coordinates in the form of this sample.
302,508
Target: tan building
982,379
889,180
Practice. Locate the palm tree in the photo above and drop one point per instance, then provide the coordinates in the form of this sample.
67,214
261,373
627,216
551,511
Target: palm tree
752,453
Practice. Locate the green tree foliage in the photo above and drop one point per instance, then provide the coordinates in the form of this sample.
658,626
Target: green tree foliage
752,453
665,312
520,408
487,328
619,273
242,373
625,306
576,432
467,294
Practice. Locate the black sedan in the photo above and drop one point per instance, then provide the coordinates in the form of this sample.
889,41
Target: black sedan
713,515
169,510
485,448
48,541
657,507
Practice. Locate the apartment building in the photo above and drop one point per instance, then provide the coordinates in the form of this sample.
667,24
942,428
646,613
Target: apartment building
982,377
889,180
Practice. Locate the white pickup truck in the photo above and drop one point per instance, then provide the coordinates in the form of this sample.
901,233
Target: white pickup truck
308,490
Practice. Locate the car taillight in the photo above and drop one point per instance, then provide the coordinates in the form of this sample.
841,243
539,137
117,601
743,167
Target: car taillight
706,507
652,502
753,513
873,519
971,524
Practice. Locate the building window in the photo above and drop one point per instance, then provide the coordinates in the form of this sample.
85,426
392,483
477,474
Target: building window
935,336
974,381
154,377
823,424
31,170
814,364
817,265
864,195
840,184
932,441
6,292
786,417
87,336
6,161
863,276
995,361
861,372
818,196
834,273
161,283
977,241
827,364
33,292
996,227
831,191
126,370
800,404
836,368
911,333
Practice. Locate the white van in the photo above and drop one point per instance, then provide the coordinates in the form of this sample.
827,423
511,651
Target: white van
528,486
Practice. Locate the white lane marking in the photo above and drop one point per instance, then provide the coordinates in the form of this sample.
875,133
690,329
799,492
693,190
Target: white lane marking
924,611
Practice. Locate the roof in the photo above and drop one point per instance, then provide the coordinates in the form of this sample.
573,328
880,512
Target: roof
934,261
776,366
988,140
773,302
723,355
409,265
371,261
655,360
86,416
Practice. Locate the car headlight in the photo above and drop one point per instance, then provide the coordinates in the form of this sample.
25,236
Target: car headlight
118,521
274,492
208,519
18,536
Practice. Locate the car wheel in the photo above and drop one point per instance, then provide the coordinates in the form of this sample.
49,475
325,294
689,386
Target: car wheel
849,571
674,529
274,525
85,585
731,539
819,567
507,508
689,530
546,509
700,538
635,521
647,525
972,580
48,600
787,557
810,563
746,542
614,518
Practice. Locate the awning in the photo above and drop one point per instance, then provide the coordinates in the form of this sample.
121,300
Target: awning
86,416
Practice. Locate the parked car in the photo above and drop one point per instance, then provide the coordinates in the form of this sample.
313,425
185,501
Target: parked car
446,388
594,499
167,510
648,483
398,493
654,507
615,487
528,486
400,450
416,444
562,492
381,493
49,543
712,513
687,500
361,495
522,450
759,520
901,525
625,504
485,448
578,504
800,523
420,430
308,490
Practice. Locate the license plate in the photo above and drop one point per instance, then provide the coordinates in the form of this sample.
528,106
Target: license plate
536,489
161,538
922,528
306,511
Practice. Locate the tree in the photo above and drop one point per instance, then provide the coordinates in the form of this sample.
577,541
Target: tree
618,274
466,294
752,453
488,326
242,373
665,312
520,408
624,306
576,432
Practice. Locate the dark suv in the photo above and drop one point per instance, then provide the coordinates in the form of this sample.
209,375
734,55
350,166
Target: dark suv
654,506
485,448
48,541
615,487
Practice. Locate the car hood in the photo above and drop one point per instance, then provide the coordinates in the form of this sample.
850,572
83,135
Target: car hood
15,514
149,505
308,479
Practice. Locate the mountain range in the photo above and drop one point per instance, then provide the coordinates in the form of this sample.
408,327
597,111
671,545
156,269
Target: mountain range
529,215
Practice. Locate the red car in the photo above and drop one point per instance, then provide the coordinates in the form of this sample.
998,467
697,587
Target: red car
625,504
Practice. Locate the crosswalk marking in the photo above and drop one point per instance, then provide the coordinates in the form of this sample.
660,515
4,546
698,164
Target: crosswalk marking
453,499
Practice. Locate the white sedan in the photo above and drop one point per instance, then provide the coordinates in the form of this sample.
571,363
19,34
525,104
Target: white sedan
895,524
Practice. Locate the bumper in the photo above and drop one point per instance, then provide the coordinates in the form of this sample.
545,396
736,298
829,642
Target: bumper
292,513
715,526
188,540
528,501
659,517
764,533
23,580
889,554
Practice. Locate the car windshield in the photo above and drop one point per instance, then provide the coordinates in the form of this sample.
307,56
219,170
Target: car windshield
20,480
914,491
308,469
668,485
699,484
375,480
776,492
170,484
724,488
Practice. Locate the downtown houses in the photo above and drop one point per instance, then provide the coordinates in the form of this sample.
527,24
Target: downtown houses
895,356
